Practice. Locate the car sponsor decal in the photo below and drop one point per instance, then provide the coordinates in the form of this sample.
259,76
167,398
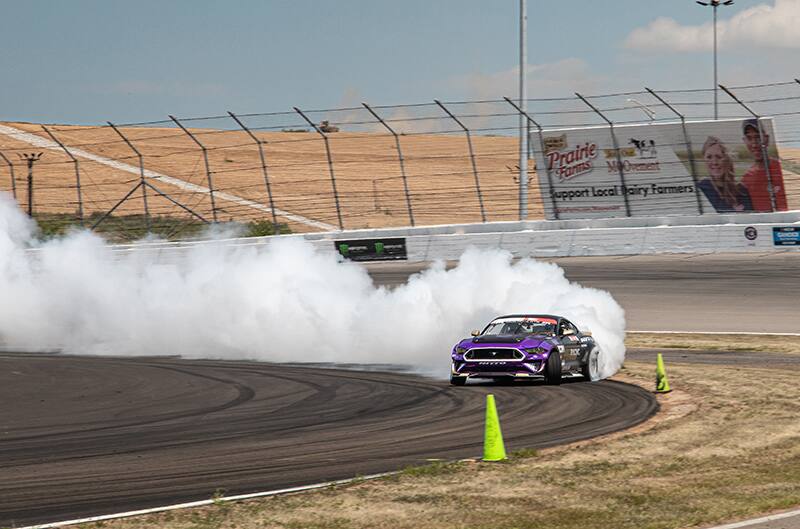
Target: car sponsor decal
533,319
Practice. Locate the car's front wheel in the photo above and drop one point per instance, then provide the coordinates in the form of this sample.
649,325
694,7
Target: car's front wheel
552,369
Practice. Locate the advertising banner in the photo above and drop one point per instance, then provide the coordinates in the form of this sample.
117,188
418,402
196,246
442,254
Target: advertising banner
373,249
786,236
660,169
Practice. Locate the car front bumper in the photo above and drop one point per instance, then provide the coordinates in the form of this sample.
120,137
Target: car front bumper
496,368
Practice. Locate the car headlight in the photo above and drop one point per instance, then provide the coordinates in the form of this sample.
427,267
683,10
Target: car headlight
534,350
461,350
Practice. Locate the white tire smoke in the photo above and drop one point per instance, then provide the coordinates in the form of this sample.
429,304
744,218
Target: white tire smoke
284,302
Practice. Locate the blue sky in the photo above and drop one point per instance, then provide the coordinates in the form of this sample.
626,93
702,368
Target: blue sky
85,61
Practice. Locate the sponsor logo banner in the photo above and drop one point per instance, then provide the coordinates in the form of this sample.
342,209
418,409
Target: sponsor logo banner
786,236
657,169
373,249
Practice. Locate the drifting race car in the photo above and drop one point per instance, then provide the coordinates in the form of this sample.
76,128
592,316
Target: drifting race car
525,346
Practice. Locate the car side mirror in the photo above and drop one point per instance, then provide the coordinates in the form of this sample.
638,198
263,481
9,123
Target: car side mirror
476,333
587,333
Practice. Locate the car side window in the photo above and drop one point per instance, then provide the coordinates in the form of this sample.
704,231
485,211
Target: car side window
565,325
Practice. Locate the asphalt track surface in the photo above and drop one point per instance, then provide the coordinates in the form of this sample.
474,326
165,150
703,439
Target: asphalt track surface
697,293
83,436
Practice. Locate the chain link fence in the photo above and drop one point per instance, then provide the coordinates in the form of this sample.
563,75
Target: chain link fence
370,166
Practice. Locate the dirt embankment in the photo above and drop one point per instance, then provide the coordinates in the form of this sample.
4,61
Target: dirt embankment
369,183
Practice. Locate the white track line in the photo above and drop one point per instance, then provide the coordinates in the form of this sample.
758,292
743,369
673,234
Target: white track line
718,332
43,143
754,521
201,503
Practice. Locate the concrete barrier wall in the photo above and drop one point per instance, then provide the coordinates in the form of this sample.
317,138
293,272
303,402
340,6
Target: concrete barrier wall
702,234
613,241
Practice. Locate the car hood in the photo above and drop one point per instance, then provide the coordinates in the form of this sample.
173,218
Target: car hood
504,340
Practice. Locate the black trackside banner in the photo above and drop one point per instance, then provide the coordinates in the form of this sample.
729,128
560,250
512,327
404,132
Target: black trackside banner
726,166
373,249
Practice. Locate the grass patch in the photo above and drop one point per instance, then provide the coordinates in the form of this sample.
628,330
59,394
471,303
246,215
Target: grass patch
436,468
523,453
733,452
127,228
263,228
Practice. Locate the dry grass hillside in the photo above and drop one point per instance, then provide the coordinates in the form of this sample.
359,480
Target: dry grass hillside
790,158
368,178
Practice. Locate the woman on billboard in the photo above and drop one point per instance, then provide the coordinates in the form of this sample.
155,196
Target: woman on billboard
720,187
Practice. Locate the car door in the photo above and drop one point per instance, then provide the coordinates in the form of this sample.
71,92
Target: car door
571,341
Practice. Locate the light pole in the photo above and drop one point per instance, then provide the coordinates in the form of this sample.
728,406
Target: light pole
523,104
715,4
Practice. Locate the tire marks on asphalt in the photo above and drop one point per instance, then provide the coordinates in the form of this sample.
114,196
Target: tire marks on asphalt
188,428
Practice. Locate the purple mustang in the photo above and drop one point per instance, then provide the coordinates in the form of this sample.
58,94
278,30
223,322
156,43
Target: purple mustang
526,346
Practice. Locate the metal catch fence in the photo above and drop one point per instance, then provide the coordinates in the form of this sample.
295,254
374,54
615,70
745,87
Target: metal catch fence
369,166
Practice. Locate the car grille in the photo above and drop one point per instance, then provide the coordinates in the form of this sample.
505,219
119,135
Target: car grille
494,354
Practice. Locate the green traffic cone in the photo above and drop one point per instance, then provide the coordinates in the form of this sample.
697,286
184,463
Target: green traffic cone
662,384
493,447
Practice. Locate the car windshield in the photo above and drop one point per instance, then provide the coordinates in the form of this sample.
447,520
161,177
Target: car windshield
521,326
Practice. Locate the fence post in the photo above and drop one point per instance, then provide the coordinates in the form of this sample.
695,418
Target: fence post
141,172
13,179
689,149
471,156
263,168
548,169
764,151
400,159
30,158
330,165
208,167
77,171
616,149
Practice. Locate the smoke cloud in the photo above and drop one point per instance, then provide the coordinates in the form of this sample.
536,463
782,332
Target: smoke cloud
282,302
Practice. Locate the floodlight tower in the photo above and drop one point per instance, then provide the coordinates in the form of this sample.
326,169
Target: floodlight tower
714,5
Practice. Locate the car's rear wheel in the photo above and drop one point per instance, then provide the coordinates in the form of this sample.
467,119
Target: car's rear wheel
552,369
457,381
591,369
